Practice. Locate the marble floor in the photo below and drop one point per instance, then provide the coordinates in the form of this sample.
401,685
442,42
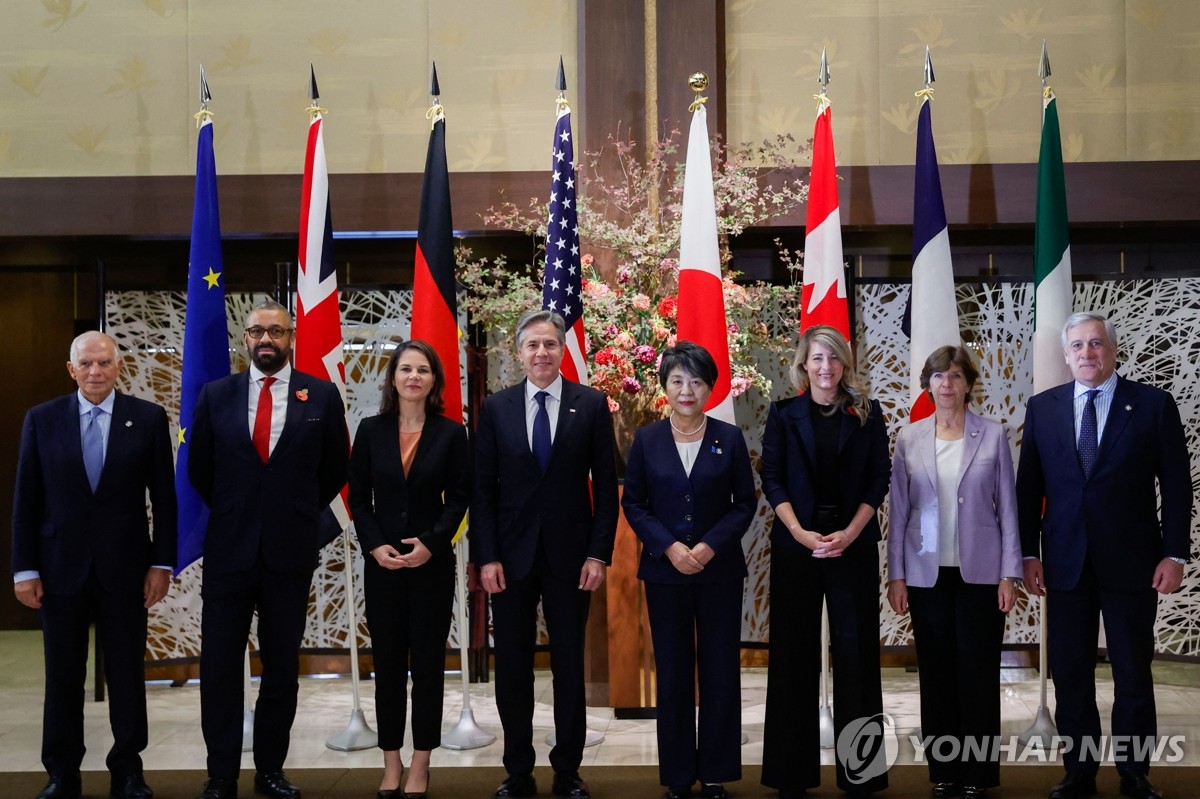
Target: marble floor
326,703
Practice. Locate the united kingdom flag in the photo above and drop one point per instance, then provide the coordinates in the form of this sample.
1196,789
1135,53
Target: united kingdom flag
562,291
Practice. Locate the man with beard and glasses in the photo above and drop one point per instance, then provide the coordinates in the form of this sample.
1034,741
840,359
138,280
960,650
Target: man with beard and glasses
268,453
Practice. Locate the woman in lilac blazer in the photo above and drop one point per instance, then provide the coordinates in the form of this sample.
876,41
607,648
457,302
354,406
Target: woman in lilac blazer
954,558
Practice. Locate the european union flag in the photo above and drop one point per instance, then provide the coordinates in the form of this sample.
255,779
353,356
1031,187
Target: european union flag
205,338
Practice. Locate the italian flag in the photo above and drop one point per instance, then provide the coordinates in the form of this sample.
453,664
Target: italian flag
1051,256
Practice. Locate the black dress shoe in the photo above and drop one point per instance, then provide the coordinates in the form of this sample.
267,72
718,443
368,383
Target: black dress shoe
569,785
62,786
973,792
678,792
713,790
1138,786
389,793
1074,786
944,790
132,787
517,786
276,785
217,788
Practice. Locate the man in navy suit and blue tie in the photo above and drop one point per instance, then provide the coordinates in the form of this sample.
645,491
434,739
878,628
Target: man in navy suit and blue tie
82,547
1094,449
268,453
539,531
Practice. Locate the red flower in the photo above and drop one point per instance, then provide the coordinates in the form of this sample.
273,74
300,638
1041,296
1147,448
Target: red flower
667,307
302,395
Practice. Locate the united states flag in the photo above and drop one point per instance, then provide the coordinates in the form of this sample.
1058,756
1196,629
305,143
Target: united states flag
562,291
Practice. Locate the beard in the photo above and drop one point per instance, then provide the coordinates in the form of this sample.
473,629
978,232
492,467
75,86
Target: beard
269,358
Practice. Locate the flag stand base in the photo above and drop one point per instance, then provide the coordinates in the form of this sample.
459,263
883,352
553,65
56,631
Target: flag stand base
467,734
357,735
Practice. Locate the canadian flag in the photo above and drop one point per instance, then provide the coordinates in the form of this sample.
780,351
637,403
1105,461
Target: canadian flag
823,295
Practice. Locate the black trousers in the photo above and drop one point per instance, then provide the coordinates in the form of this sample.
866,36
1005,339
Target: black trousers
697,628
849,585
959,630
230,601
514,628
408,613
1073,630
121,636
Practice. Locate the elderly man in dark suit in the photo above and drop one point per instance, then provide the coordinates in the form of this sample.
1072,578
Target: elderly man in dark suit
268,453
82,547
539,531
1093,449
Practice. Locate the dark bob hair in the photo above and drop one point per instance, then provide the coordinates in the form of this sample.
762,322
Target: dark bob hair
691,358
435,404
941,359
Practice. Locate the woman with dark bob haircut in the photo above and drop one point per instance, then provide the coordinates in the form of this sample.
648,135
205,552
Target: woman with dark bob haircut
689,496
825,472
409,488
954,558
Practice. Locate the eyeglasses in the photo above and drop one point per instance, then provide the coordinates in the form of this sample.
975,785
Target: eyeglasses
275,331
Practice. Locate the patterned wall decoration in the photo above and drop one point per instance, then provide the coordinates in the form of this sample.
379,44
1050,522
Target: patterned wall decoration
1154,318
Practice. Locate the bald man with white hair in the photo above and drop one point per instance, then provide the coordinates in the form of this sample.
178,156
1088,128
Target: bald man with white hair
83,549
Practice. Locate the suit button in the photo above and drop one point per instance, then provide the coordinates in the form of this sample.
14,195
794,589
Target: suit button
687,518
687,497
960,500
403,514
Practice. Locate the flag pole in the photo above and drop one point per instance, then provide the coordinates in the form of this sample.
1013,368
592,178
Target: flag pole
357,733
1041,733
248,706
466,734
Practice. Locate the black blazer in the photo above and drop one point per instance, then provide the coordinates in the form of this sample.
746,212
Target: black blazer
714,505
514,505
789,466
272,508
428,504
63,530
1110,519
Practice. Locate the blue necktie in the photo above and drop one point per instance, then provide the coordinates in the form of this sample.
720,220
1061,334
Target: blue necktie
541,432
93,447
1088,435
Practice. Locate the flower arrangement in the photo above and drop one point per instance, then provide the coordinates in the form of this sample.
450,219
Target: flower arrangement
630,230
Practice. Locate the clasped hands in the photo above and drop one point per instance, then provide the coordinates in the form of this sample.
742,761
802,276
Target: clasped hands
823,546
689,560
389,557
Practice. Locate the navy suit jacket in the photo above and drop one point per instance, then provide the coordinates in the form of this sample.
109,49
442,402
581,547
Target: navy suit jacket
714,505
789,452
428,504
1110,519
515,505
267,513
63,530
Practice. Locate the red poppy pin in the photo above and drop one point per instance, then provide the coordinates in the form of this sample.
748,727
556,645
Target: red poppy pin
302,395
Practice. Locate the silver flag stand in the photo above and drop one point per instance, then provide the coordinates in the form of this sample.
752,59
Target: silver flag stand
357,734
466,734
826,716
1042,732
248,704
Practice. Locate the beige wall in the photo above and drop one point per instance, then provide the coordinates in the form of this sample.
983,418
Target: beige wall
108,87
1125,71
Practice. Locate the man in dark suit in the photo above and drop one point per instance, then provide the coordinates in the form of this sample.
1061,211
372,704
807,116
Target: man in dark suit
1093,449
268,453
82,546
539,531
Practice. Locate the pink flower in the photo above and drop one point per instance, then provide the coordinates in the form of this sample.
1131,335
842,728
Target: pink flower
671,340
661,333
738,385
624,275
610,330
640,302
733,328
587,259
625,341
645,353
613,405
630,385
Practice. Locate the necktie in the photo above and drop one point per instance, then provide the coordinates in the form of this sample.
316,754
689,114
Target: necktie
1088,435
93,447
262,420
541,432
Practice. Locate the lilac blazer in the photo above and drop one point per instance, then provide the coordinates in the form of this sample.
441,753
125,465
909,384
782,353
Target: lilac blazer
989,542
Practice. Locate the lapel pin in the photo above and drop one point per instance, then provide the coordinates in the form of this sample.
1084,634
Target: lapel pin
302,395
1129,407
128,424
974,433
572,410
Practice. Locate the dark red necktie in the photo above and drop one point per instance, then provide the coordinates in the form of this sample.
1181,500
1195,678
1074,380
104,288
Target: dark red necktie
262,420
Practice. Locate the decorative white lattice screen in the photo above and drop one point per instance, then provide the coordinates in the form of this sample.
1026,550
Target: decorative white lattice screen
1156,320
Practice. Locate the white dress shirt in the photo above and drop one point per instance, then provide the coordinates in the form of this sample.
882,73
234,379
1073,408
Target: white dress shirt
279,400
552,404
1103,404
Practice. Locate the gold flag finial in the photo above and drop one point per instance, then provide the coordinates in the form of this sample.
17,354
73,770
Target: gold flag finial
698,81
